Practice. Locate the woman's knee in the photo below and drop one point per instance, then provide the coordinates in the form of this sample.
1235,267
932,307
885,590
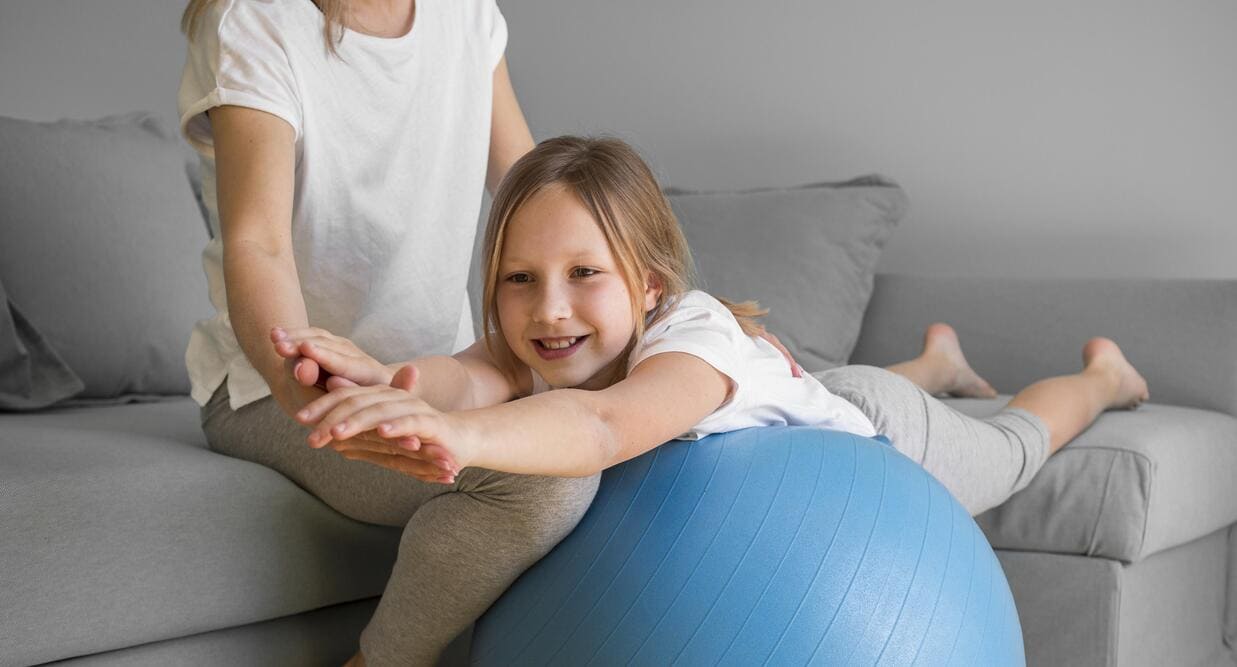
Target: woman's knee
568,496
558,503
545,509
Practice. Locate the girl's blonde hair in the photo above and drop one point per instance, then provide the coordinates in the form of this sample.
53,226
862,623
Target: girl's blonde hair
620,192
336,12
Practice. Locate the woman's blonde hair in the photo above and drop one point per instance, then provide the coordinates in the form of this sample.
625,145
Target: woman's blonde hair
336,12
620,192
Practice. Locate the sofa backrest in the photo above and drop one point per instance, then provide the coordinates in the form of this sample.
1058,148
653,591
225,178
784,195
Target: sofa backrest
1181,334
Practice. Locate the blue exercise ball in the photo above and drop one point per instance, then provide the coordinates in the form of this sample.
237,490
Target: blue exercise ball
781,545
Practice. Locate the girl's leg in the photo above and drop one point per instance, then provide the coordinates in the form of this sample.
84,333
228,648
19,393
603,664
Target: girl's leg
984,461
462,545
941,368
1070,403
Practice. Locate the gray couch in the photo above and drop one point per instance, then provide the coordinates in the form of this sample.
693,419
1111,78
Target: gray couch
124,540
1123,551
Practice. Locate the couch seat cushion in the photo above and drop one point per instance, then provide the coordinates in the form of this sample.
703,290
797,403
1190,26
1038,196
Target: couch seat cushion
1137,482
120,527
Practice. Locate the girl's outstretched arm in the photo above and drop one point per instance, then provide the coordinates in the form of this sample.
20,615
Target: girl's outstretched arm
566,432
469,379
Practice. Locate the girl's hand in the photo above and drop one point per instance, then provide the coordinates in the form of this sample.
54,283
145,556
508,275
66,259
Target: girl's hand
318,358
412,428
293,397
433,468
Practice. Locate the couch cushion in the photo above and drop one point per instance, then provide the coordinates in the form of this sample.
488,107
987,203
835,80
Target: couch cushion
1180,334
1137,482
102,243
32,374
120,527
793,241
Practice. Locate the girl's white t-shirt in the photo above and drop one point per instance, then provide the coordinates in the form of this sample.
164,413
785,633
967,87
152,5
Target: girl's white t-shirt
765,393
392,145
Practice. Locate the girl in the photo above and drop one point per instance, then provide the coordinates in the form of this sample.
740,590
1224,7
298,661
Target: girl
592,326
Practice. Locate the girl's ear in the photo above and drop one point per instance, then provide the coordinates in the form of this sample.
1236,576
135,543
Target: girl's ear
652,292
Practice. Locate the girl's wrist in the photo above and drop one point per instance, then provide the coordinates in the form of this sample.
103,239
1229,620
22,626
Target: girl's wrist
469,447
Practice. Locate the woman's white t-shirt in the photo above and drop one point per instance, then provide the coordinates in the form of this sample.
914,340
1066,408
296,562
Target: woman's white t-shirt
765,393
392,145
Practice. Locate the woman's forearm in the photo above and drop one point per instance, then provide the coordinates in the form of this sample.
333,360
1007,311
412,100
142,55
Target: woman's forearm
263,292
255,159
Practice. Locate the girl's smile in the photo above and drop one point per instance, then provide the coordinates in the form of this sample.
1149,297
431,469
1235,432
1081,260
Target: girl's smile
563,303
558,348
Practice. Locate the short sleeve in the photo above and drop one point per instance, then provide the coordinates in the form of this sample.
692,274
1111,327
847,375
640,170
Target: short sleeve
236,57
498,34
702,327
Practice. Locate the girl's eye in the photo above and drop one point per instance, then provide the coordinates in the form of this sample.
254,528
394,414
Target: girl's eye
519,278
583,272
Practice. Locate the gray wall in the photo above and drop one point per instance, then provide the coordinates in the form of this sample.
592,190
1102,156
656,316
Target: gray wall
1045,138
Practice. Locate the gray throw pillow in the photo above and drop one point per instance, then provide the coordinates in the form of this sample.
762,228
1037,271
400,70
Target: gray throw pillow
807,253
101,247
32,375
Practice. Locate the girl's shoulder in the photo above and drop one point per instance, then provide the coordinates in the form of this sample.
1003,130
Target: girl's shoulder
693,305
693,319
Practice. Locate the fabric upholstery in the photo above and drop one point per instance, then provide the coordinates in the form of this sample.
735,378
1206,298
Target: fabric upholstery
102,248
1165,610
1172,606
1135,483
807,254
1181,334
121,528
326,637
1230,620
1068,606
32,374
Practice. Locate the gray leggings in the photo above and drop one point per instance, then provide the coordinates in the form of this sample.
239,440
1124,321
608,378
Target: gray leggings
462,544
981,461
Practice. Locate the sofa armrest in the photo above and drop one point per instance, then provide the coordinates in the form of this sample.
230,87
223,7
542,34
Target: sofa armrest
1181,334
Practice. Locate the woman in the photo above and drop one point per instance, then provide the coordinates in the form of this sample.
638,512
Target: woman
344,146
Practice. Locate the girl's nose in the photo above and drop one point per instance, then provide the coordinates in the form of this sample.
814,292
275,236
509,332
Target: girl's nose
553,304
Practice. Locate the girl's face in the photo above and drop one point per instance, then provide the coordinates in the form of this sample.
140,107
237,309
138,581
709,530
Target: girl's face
564,306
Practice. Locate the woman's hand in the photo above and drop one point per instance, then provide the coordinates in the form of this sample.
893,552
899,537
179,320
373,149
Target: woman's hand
318,358
419,440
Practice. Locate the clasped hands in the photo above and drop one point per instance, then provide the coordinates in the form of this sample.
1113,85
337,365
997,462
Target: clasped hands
369,413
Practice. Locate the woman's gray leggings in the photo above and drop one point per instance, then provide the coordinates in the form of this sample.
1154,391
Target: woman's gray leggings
462,545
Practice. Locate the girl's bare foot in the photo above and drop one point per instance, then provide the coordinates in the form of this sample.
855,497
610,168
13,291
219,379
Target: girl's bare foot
940,343
1101,355
357,660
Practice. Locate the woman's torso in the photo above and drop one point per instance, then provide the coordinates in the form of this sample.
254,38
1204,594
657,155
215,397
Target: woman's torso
392,142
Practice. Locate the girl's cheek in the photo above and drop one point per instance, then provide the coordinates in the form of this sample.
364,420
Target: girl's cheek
614,288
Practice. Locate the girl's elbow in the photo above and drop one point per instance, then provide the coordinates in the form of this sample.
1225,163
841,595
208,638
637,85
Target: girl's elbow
605,441
603,432
606,450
